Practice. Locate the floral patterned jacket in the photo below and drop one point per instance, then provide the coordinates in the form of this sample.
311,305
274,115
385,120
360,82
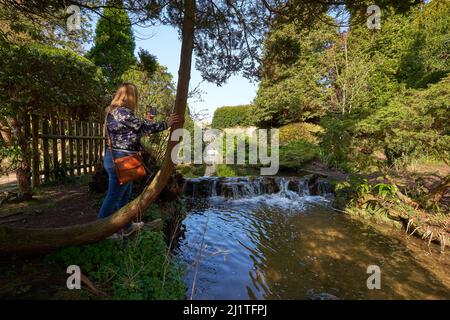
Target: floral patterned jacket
125,129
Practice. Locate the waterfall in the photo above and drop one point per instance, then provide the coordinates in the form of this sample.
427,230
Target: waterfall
214,188
247,187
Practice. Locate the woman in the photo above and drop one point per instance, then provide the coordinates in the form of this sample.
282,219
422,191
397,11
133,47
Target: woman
125,130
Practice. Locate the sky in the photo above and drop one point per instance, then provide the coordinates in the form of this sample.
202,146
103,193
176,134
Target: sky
163,42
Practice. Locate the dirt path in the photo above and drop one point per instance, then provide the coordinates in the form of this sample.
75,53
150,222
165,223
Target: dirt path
61,205
8,182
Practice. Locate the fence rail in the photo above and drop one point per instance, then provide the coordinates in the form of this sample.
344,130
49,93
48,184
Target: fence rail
61,147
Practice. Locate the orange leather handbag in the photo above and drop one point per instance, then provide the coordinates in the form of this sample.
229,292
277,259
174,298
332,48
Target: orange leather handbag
128,168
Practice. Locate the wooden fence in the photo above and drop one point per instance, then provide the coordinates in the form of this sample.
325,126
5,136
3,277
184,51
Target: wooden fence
61,148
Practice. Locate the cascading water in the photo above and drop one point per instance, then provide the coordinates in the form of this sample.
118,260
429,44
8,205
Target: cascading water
276,237
244,187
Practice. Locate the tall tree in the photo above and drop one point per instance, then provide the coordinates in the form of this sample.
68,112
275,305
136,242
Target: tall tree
114,44
295,73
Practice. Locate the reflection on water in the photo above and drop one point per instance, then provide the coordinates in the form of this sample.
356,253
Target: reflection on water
277,247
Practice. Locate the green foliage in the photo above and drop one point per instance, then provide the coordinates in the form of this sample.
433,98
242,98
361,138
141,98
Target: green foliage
357,195
385,190
147,62
227,117
410,125
426,59
381,96
361,186
295,154
191,171
12,152
295,81
134,269
114,44
299,131
155,89
224,170
27,27
46,80
336,142
396,124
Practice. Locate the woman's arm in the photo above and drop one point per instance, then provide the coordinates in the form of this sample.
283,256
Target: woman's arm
140,125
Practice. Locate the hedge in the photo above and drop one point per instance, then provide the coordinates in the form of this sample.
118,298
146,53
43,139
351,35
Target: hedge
228,117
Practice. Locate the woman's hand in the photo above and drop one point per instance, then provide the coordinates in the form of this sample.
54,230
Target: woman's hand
150,117
173,119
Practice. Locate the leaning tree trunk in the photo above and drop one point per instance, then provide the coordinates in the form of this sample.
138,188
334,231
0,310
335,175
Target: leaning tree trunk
26,241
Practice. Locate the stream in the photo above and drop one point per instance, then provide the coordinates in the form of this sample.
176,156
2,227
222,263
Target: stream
278,238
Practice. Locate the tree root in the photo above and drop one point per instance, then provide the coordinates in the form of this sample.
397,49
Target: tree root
90,286
441,238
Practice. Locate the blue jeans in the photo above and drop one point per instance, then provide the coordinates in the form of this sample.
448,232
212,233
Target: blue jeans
118,195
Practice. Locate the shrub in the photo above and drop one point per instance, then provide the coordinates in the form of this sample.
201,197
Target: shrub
227,117
224,170
297,153
299,131
44,82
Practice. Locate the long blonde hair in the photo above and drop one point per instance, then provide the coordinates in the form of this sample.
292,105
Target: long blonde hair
126,96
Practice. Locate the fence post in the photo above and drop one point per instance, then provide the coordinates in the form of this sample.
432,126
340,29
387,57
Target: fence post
62,130
45,149
71,134
55,147
27,135
84,144
102,141
35,171
90,142
78,151
96,142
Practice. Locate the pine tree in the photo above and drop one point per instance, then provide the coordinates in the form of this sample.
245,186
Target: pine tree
114,44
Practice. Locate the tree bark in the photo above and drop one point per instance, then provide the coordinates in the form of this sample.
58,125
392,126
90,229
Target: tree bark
30,241
23,166
5,132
